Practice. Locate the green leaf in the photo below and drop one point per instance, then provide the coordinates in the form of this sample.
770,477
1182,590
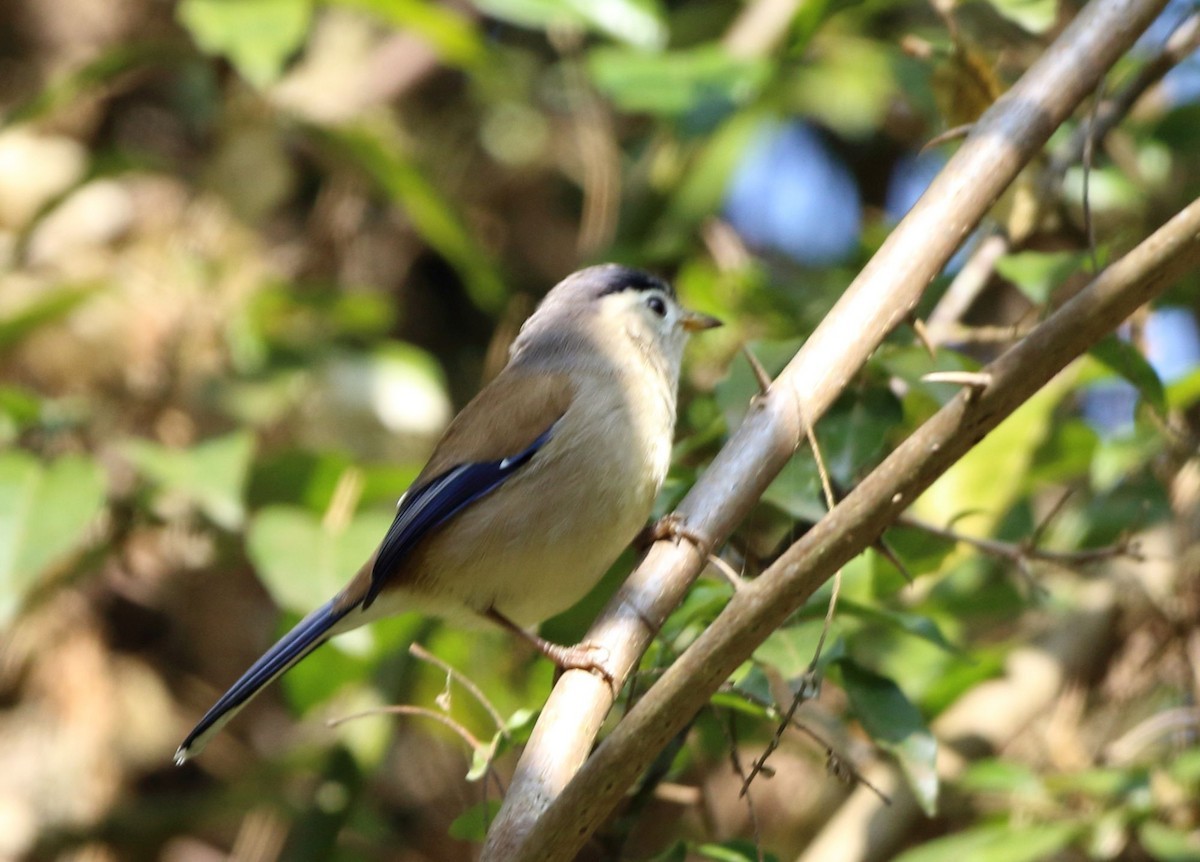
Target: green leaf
911,364
347,662
677,852
790,650
892,721
303,560
19,408
920,551
1124,359
636,22
1184,392
1185,767
1038,273
472,824
959,677
80,81
738,702
44,511
735,850
450,33
847,86
703,603
1066,453
675,83
996,843
1166,844
913,624
1101,783
707,175
739,386
256,36
520,724
855,431
1109,189
481,758
515,732
47,308
797,491
996,470
297,476
211,475
1001,776
1035,16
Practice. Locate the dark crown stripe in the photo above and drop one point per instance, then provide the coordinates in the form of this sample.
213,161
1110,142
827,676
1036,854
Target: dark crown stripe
622,278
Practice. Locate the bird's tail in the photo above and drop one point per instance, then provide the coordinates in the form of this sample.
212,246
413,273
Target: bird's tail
309,633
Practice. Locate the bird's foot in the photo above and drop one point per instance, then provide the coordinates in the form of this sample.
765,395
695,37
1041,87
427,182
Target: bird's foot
674,527
581,656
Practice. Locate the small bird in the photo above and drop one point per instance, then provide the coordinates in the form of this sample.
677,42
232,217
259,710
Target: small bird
533,490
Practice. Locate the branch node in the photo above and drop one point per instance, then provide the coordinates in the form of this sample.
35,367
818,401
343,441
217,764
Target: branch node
949,135
673,527
760,374
924,337
972,379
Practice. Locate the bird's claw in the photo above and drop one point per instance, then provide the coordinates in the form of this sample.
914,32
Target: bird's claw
582,656
673,527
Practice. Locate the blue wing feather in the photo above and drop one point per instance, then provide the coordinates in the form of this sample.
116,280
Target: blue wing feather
307,635
437,501
421,510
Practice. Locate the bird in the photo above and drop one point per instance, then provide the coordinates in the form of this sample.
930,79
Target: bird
535,487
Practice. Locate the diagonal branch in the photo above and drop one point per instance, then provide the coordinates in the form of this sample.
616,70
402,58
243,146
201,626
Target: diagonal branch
884,294
1182,42
766,602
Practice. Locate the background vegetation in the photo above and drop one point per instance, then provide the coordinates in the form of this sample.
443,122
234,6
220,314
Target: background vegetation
254,254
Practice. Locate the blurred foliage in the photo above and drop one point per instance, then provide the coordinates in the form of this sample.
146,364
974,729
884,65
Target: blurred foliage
253,254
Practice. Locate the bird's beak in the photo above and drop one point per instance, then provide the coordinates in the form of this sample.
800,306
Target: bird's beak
694,321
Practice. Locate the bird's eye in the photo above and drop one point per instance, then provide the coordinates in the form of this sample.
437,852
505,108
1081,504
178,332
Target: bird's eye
656,304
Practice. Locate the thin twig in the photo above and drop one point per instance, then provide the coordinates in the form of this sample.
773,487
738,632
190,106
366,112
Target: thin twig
948,135
1089,147
1043,524
885,550
830,750
599,156
760,374
970,379
343,501
1181,720
788,720
724,245
923,336
759,27
1015,553
967,285
810,680
419,652
830,501
736,762
958,333
419,711
735,580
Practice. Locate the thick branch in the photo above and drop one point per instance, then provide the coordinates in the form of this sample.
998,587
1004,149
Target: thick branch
1179,46
884,294
765,603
